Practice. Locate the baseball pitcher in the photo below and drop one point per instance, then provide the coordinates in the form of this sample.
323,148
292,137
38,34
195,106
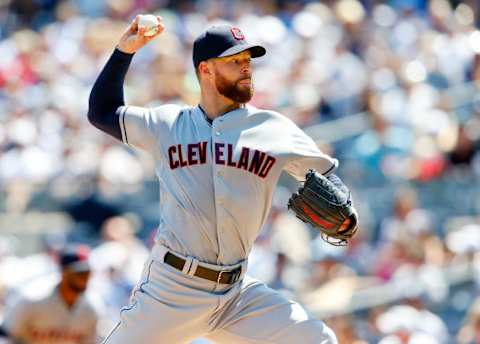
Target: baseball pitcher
217,164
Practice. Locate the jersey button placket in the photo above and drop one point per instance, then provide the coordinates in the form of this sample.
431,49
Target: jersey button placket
218,180
216,139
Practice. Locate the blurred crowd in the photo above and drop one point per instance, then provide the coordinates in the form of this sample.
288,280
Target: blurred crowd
409,69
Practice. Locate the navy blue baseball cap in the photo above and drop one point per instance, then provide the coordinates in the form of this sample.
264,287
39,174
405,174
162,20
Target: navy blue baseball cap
220,41
75,258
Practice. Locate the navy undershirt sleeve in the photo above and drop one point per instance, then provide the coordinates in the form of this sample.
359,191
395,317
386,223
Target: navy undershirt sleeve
3,332
107,94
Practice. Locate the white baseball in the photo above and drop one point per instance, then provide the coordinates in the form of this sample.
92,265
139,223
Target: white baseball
150,23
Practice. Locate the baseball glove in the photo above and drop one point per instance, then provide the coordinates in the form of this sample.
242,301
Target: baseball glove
326,207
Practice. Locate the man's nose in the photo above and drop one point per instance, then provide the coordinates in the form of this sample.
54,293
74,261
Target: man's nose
246,69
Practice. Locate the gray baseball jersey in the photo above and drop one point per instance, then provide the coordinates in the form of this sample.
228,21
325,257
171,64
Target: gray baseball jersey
48,321
217,177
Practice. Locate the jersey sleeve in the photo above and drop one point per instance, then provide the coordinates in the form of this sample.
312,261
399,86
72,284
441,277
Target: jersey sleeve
305,155
137,126
141,127
17,320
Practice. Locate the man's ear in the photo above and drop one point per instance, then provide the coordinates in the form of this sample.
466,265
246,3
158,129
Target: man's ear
204,68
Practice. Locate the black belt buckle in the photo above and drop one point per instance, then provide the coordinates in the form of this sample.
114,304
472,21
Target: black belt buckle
236,274
233,275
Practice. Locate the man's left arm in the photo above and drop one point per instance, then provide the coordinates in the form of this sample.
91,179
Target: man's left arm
305,155
326,205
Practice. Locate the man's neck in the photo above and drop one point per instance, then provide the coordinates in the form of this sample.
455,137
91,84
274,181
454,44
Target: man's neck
66,295
214,108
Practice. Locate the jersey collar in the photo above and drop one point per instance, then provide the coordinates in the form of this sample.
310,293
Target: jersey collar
224,115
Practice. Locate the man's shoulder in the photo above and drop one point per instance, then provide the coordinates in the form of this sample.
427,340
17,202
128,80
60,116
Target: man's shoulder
167,109
24,304
272,115
169,113
44,301
171,109
92,304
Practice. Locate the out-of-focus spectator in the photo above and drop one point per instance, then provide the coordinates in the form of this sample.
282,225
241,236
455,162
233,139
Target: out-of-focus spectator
345,327
118,263
278,279
470,331
65,313
408,324
400,234
465,148
408,219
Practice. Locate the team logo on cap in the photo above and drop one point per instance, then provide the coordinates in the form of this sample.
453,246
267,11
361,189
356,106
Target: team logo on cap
237,33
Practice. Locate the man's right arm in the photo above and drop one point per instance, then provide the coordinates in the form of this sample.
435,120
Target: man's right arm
3,332
17,321
106,96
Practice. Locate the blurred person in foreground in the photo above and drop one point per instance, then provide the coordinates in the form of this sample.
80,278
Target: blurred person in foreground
469,333
218,164
410,323
118,263
63,316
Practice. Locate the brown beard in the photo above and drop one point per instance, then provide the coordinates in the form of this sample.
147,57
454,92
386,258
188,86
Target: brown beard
78,289
232,90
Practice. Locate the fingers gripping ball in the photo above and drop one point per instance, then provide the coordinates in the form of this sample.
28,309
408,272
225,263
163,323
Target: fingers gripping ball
323,205
150,23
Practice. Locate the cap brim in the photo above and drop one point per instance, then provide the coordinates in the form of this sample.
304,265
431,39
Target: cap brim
83,266
255,50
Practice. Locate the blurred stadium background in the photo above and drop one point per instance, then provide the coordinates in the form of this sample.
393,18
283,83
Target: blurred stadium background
388,87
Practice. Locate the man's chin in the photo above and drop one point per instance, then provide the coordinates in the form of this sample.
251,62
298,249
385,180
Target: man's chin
242,98
244,94
237,93
78,290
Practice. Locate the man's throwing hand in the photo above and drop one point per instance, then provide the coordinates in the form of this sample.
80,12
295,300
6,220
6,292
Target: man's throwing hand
134,37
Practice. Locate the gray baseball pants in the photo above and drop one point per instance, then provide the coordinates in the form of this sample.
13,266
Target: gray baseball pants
170,306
